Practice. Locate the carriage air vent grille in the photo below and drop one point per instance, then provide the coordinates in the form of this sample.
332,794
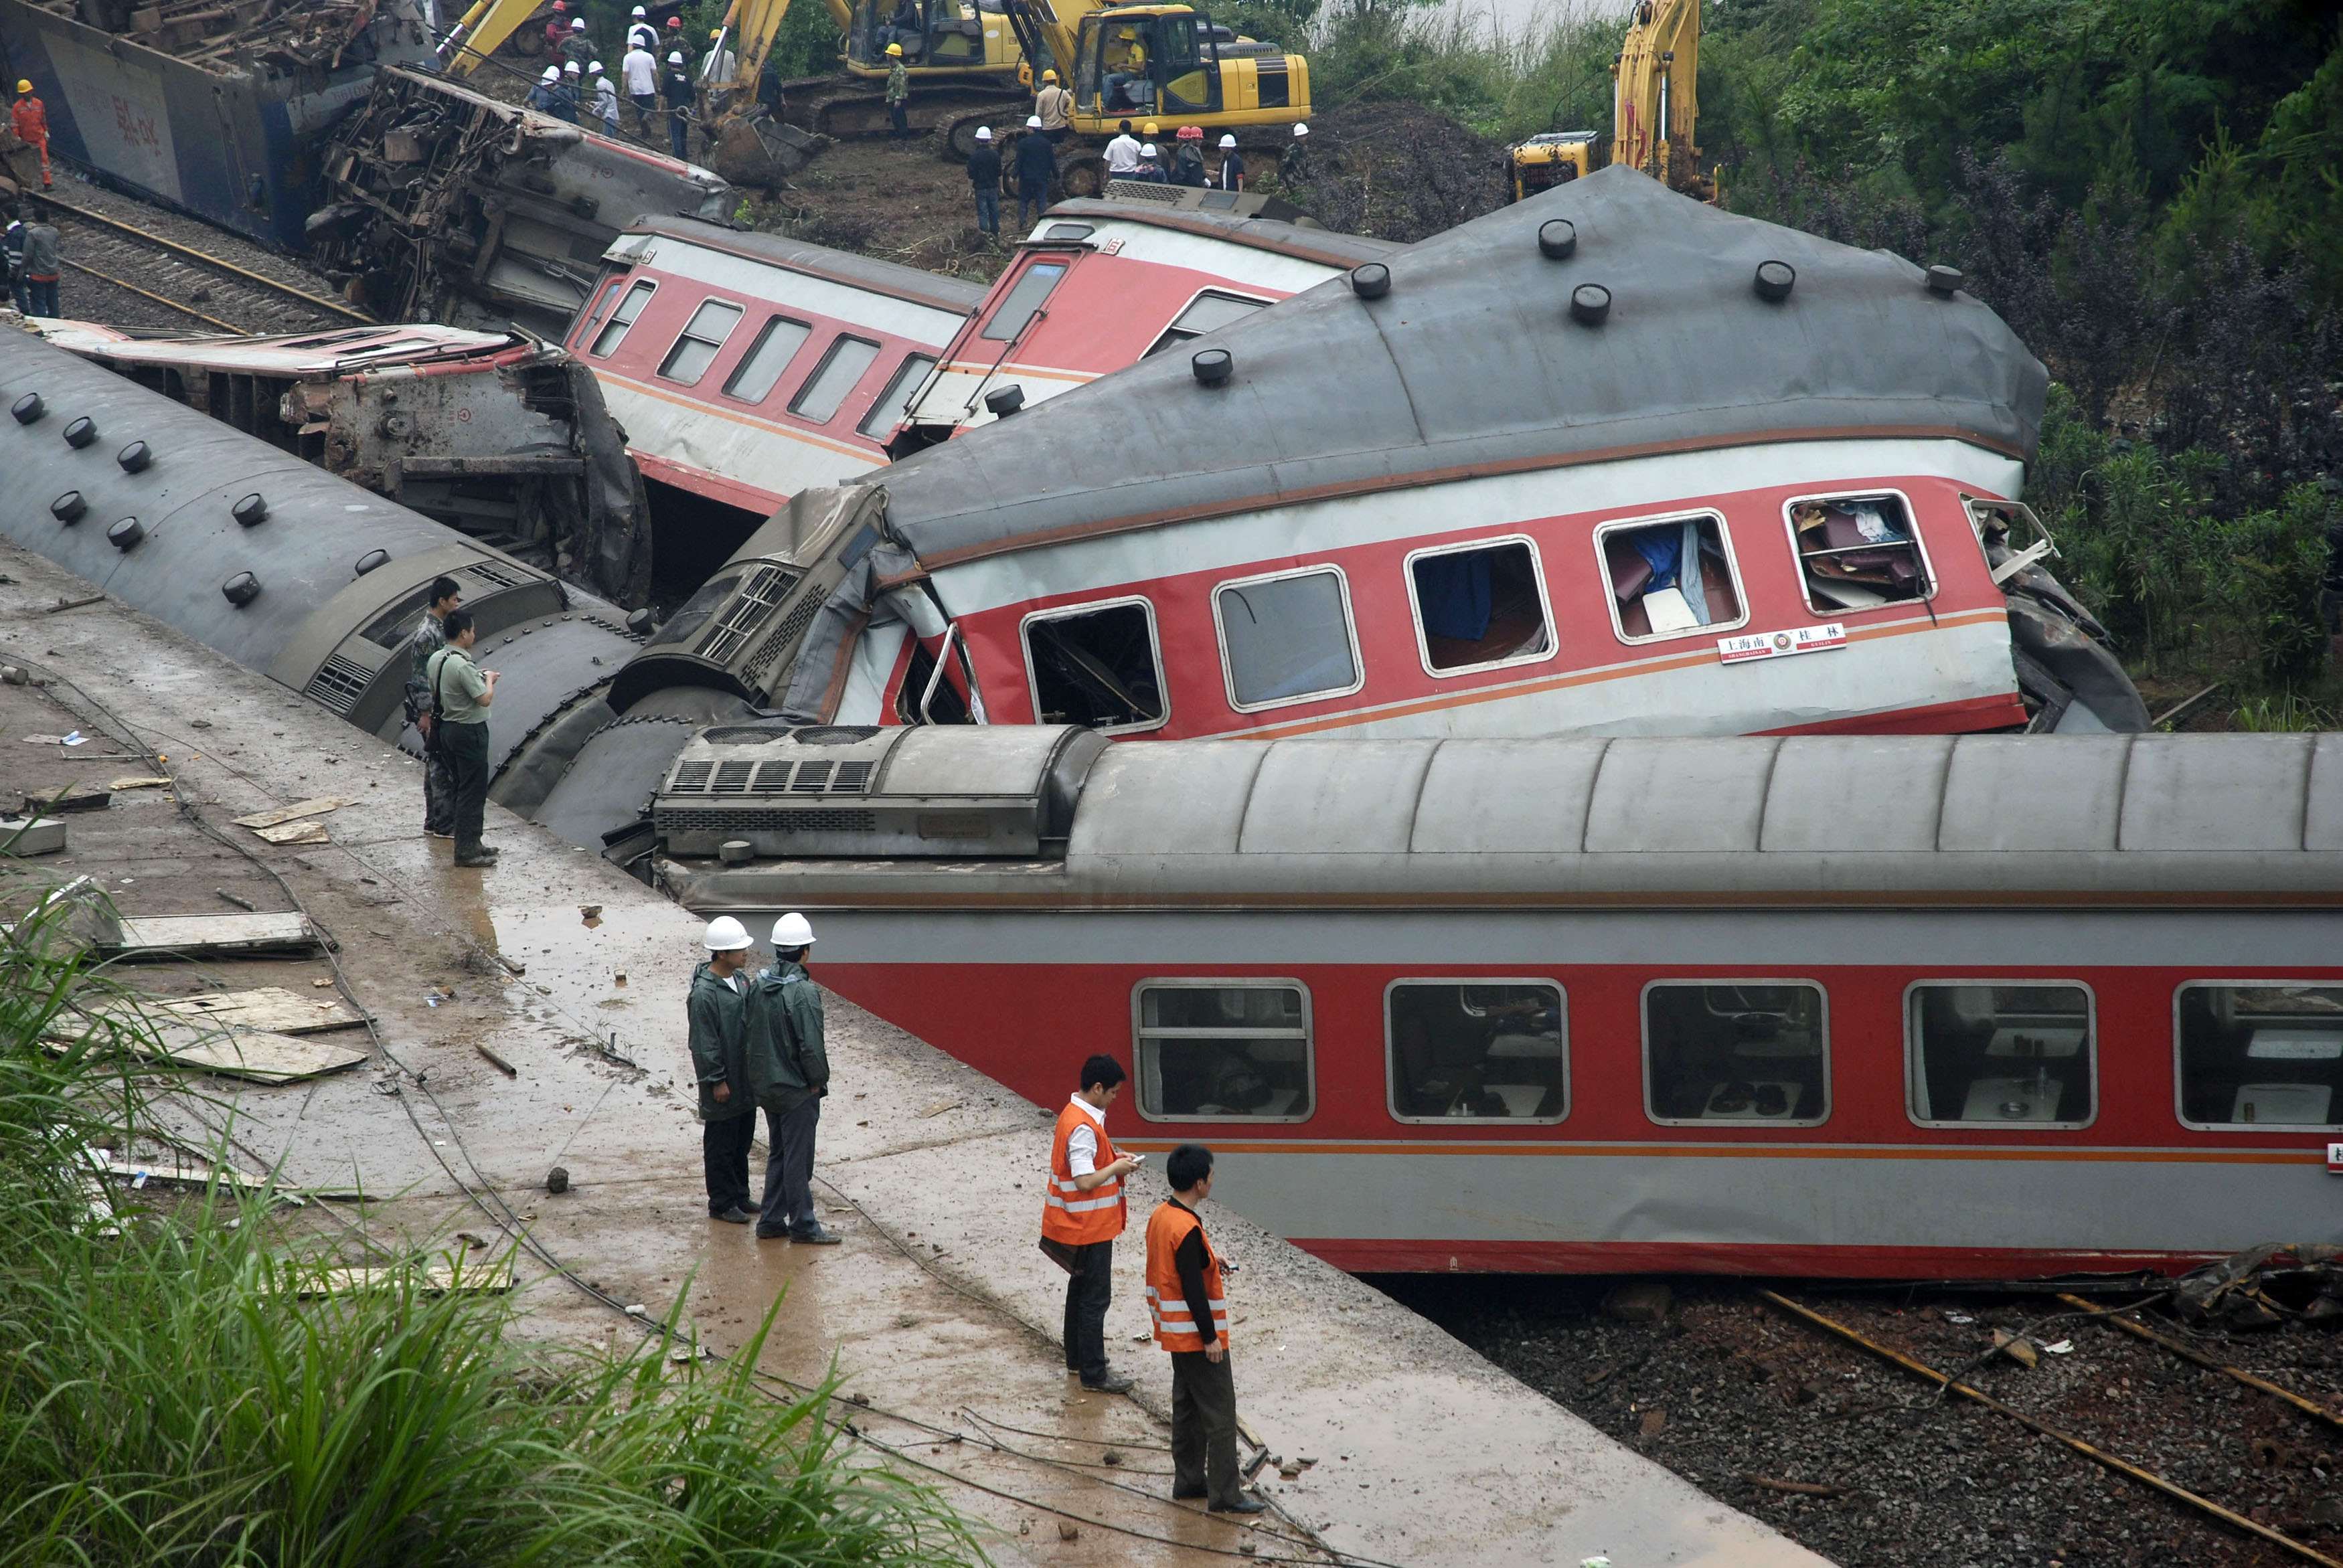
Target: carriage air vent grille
731,777
813,777
692,775
339,684
494,577
791,629
851,779
745,776
772,777
751,608
764,819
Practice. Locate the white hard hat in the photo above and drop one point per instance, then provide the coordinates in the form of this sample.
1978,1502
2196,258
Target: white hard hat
552,74
984,133
1147,149
571,69
1032,122
1228,141
792,930
1299,131
638,11
596,67
675,57
725,935
579,25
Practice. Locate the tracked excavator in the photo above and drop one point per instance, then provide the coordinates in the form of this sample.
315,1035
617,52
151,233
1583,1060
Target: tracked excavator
1655,105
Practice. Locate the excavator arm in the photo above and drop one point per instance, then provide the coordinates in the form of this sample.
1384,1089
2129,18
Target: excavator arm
1657,105
752,26
481,32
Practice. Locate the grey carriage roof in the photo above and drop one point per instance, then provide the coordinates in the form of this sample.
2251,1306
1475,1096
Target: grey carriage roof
1869,819
955,295
1472,365
1324,245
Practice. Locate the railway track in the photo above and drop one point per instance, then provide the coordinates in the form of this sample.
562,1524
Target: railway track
194,286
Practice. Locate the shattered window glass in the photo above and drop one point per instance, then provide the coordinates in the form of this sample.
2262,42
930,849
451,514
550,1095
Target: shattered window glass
1287,639
2265,1054
629,307
1479,606
700,341
1737,1050
1224,1050
1857,552
2011,1055
842,367
760,370
1096,665
1670,577
1477,1049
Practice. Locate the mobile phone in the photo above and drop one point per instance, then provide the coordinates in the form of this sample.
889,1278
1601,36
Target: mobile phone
1139,1160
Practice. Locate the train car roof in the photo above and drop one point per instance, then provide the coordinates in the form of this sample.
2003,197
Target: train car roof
1839,820
1325,247
1472,365
929,289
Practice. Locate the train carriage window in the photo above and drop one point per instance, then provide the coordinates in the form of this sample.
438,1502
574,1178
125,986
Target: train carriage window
1476,1051
1287,638
700,341
1097,665
760,370
2261,1054
840,369
2008,1055
1670,577
630,305
1736,1050
1857,552
1480,607
1222,1049
894,402
1208,312
1025,296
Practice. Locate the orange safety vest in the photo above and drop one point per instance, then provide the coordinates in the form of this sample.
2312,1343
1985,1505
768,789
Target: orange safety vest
1069,1214
1167,1303
31,117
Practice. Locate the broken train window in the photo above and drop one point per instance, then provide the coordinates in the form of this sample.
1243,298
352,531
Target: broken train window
629,307
1735,1050
1670,577
1857,552
1225,1050
2260,1053
700,341
2012,1055
1096,665
1286,638
1478,606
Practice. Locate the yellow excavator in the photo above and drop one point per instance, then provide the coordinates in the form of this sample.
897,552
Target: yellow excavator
1655,105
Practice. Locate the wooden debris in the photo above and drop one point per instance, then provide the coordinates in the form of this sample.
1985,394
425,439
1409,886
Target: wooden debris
939,1107
239,902
65,604
269,1008
1795,1488
258,1055
2016,1347
315,807
294,833
70,797
202,936
448,1271
142,781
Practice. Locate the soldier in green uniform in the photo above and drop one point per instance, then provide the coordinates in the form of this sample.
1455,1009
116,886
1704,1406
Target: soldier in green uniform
788,1069
461,693
718,1011
430,637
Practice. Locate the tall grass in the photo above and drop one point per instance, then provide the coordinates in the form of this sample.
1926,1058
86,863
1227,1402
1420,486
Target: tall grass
170,1395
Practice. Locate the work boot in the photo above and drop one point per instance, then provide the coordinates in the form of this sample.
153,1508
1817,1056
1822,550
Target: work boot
817,1237
736,1215
1113,1382
476,858
1242,1505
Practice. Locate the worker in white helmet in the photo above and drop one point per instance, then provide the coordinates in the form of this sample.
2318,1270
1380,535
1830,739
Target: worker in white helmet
606,98
1037,168
1230,175
640,34
545,97
676,86
789,1070
1296,167
717,1011
983,168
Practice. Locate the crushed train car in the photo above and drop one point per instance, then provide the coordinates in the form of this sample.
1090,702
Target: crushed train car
498,434
217,110
1606,461
443,204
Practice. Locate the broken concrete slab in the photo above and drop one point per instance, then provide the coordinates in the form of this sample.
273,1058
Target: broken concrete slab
26,836
210,936
259,1055
269,1008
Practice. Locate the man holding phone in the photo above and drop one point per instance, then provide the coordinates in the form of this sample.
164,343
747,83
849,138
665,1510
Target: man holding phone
1083,1211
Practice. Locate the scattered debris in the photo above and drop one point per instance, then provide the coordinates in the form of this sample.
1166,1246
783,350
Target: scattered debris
1111,1457
1654,1422
1795,1488
2016,1347
66,604
636,1310
240,903
450,1272
26,836
509,1070
260,1056
1069,1531
940,1107
267,1008
1289,1468
207,936
294,833
315,807
557,1181
143,781
14,675
70,797
1638,1301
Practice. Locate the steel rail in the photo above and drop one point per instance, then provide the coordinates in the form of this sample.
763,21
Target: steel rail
319,300
2190,1352
147,294
2098,1455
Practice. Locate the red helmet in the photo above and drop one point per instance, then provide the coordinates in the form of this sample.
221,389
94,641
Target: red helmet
1192,133
676,22
558,7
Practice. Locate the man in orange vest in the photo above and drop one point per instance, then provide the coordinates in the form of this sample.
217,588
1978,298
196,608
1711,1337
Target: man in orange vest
1190,1303
1082,1211
30,117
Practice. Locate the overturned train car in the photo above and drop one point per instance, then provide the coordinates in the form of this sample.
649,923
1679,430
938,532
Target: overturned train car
1880,1007
1607,461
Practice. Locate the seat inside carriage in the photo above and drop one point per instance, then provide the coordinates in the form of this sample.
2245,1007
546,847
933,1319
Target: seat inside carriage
2260,1055
1481,1052
2000,1053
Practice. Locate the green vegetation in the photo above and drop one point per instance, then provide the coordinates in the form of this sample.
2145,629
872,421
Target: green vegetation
2147,190
166,1396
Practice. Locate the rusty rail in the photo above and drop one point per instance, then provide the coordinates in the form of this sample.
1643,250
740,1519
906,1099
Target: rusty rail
317,300
2189,1352
2098,1455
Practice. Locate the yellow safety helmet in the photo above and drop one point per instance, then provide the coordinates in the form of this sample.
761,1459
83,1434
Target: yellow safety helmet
1049,75
23,87
894,48
1148,129
716,32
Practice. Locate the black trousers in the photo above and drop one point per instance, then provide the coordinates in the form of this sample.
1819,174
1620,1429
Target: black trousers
438,789
724,1159
466,748
789,1171
898,124
1088,1290
1204,1429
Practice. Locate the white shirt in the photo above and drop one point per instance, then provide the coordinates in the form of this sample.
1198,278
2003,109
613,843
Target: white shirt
1081,1143
718,67
641,72
642,35
1123,155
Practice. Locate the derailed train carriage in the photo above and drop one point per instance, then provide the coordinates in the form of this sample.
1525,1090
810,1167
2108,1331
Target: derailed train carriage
1881,1007
1609,460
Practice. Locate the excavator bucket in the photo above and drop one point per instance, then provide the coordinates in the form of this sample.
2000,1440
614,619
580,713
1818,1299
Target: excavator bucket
756,149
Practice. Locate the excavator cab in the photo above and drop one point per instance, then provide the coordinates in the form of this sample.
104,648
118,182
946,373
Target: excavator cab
1548,159
1161,61
937,35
